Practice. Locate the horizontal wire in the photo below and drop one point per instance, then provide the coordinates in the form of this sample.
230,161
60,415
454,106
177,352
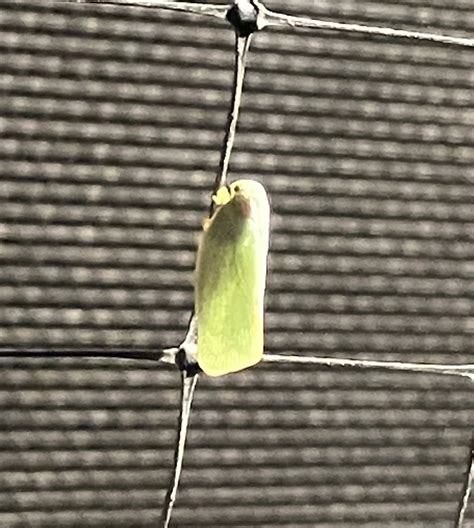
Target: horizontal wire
165,356
466,370
273,18
280,19
168,356
215,10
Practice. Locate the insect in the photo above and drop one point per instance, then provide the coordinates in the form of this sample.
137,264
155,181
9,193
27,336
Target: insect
230,279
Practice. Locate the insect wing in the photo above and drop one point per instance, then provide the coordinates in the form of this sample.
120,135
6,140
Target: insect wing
230,287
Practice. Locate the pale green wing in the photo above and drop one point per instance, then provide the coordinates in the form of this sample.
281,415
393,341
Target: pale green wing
230,287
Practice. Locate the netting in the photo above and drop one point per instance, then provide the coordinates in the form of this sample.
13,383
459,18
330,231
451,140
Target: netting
112,121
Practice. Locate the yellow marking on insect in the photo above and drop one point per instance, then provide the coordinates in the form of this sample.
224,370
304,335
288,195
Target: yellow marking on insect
223,195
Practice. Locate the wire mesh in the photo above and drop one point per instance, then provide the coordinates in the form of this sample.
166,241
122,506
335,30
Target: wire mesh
112,122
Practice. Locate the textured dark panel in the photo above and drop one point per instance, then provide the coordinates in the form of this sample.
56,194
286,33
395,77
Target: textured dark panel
111,122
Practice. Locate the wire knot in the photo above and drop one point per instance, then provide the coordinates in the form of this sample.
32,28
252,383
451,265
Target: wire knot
247,17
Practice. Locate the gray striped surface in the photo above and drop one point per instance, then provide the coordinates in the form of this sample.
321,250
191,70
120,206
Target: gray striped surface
111,121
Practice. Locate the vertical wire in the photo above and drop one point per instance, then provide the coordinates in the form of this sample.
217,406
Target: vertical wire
188,381
188,384
467,487
242,45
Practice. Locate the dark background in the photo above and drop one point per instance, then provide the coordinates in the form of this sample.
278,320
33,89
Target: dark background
111,122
